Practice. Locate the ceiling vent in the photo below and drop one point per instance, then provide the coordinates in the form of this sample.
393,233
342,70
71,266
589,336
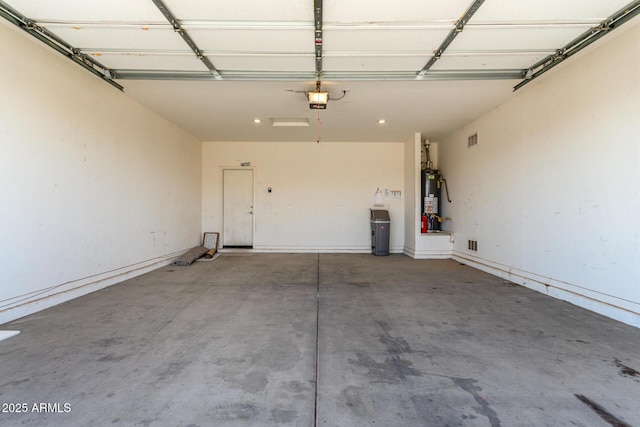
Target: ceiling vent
290,122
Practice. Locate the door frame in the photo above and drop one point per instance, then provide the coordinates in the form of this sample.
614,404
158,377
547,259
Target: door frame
253,201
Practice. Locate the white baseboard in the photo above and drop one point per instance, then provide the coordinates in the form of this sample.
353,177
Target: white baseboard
37,301
316,249
606,305
427,253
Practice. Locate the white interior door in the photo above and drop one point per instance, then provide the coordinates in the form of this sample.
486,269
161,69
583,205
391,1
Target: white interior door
237,207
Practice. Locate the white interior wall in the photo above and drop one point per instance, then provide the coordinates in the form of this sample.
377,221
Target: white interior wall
321,192
412,193
552,191
95,188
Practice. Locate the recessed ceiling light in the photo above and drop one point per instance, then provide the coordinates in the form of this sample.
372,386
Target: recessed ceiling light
382,121
257,121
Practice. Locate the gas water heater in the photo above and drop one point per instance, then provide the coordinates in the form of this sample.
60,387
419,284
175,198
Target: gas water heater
431,192
432,183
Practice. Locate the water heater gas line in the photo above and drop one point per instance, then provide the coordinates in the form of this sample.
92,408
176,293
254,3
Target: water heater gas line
427,164
446,187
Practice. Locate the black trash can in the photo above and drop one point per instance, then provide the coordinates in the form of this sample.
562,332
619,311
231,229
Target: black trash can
380,227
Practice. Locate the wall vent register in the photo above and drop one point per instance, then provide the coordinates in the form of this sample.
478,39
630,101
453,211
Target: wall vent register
472,140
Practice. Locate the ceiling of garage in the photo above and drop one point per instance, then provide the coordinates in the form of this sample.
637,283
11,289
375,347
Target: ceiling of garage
258,58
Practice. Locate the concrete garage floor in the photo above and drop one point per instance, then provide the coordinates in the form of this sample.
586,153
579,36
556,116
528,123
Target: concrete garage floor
396,342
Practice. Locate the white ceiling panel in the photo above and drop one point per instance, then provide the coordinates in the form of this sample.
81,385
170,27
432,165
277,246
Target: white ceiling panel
547,10
384,40
488,62
508,38
264,63
234,10
406,10
244,40
144,61
121,38
374,63
368,47
95,11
